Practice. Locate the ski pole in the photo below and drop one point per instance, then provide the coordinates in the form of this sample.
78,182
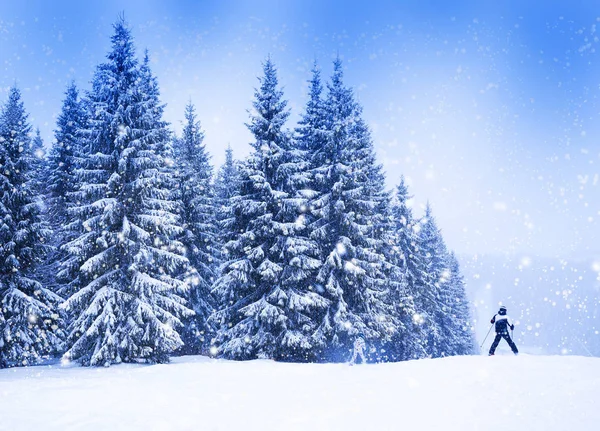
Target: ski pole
486,336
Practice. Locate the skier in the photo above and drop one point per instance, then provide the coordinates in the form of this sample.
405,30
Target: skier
359,347
502,322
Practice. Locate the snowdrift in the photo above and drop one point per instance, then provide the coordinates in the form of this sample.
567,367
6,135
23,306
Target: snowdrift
504,393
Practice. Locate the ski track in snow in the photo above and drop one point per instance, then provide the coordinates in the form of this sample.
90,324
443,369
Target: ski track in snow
504,393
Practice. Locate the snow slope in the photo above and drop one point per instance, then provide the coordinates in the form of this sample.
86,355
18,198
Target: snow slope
504,393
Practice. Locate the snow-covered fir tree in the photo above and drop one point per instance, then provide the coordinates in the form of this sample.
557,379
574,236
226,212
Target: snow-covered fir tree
226,187
29,322
311,135
459,338
200,237
348,188
266,302
304,299
311,138
46,271
64,158
441,295
39,173
38,145
129,299
432,257
227,181
407,341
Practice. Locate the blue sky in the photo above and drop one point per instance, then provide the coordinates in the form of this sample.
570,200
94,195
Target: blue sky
490,110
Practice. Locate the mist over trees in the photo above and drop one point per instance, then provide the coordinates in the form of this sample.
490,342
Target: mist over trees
125,244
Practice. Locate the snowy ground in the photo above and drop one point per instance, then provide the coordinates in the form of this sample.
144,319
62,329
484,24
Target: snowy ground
504,393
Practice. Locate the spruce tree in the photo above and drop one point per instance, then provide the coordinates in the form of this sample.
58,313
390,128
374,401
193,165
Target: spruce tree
200,236
39,165
129,299
459,338
226,187
432,256
29,322
227,178
349,192
38,145
406,230
64,159
407,341
311,134
65,156
311,138
304,300
265,302
441,295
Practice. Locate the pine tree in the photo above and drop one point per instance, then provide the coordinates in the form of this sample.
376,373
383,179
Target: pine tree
62,184
227,178
432,256
46,271
311,135
348,225
200,238
311,138
265,302
29,324
38,165
38,145
407,341
406,235
226,187
62,160
442,297
457,328
129,299
304,303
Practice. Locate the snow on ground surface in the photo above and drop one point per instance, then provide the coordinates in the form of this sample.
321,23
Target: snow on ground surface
504,393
